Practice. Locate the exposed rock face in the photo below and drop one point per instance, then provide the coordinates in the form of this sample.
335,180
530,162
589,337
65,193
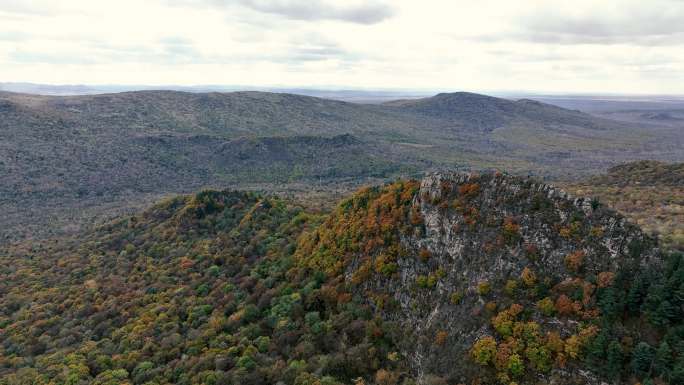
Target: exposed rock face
479,232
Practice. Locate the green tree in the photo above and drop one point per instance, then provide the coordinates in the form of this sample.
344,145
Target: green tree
642,358
635,295
614,360
516,365
596,350
662,364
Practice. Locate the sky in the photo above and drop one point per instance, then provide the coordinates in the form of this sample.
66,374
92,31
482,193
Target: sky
607,46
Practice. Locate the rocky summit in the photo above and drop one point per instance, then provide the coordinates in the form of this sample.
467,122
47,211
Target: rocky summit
476,257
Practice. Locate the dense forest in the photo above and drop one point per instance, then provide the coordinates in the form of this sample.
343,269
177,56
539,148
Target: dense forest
239,288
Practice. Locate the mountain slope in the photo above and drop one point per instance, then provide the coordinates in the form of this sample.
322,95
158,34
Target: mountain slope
649,193
102,155
644,172
456,279
488,113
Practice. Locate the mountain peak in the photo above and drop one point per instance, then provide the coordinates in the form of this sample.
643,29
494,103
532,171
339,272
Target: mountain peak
442,256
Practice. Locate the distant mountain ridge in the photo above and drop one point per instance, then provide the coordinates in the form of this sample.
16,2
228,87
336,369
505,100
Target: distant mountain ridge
103,152
489,113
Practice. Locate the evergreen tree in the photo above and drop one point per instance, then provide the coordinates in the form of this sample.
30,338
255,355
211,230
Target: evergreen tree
614,358
642,357
596,350
677,373
635,295
662,364
657,313
608,303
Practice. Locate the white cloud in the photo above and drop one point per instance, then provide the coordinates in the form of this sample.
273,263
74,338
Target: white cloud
610,46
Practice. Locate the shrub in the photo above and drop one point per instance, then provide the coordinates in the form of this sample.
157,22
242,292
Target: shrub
572,346
441,337
424,254
531,251
574,260
539,357
510,287
386,377
546,306
484,350
469,190
503,322
528,277
511,230
605,279
564,306
456,298
483,288
515,365
554,342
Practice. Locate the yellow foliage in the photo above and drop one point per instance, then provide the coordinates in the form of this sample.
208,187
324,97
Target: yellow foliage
528,277
574,260
441,337
484,350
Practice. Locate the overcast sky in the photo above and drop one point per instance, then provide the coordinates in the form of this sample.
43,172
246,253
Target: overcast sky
524,45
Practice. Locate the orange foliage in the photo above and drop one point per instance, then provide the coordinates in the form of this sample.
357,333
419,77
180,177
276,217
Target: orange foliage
416,217
511,229
554,342
384,377
605,279
564,306
503,353
528,277
362,273
587,291
186,263
469,190
360,228
561,360
574,260
531,251
441,337
344,297
424,254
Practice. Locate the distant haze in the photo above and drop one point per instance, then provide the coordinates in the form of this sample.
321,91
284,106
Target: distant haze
538,46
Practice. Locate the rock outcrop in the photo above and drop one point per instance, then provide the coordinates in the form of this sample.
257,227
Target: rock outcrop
473,245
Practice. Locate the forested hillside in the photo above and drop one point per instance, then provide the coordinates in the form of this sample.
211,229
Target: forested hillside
458,278
649,193
67,162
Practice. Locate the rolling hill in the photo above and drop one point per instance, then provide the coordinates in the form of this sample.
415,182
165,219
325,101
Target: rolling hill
67,160
649,193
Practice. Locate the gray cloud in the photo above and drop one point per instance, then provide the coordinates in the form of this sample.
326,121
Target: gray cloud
644,23
26,7
167,51
657,23
369,12
175,50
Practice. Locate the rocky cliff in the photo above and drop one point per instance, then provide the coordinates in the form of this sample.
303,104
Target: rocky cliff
449,258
